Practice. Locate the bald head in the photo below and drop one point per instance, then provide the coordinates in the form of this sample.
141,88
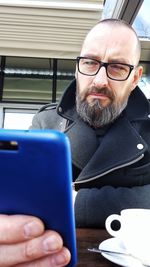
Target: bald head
116,31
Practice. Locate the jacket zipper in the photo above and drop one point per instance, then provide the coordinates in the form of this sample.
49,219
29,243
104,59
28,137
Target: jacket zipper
113,169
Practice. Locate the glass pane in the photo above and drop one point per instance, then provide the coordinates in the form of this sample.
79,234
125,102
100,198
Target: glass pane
28,80
142,21
65,74
27,90
17,120
144,82
144,85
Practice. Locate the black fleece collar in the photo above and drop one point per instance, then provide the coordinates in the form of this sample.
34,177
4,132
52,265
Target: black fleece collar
95,160
138,105
66,106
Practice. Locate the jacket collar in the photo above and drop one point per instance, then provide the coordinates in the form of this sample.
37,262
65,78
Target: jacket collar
138,105
128,145
95,160
66,106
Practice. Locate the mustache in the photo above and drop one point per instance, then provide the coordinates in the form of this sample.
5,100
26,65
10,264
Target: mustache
105,91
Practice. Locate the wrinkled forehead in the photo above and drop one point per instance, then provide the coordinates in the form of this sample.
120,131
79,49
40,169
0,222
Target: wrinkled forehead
111,40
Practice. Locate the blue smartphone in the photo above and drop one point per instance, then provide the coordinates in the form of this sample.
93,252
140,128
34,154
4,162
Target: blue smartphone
36,179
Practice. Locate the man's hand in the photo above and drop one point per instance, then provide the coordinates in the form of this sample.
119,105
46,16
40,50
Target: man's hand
25,243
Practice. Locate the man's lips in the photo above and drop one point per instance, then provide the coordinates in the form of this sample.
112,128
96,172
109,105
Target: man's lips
98,95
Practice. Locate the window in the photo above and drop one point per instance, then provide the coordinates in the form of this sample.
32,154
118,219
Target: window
142,23
15,119
35,80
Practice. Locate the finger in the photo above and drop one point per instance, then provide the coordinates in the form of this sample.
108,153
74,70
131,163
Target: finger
17,228
59,259
50,242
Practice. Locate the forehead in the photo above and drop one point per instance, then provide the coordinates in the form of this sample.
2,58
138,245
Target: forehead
110,41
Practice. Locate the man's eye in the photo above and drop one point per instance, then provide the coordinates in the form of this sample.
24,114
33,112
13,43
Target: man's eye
90,63
118,67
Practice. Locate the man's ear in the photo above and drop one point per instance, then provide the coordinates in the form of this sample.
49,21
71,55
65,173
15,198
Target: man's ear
137,76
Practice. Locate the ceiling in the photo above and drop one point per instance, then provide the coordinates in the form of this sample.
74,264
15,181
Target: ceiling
46,29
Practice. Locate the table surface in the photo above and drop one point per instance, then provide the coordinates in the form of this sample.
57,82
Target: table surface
91,238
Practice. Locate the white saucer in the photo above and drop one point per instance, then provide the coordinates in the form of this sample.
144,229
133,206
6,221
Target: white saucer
114,244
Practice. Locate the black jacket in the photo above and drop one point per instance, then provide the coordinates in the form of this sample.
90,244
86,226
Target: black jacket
114,174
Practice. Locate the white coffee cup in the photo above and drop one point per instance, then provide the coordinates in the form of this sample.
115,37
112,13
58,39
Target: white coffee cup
134,232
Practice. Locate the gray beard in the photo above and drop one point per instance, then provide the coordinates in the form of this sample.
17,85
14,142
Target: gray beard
97,116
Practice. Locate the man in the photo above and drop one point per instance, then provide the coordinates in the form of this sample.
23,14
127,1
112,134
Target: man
107,119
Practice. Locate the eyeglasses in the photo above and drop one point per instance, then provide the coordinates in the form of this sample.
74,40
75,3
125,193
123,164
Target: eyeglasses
115,71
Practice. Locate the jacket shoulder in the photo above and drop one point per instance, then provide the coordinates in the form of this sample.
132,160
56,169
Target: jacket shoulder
48,118
48,107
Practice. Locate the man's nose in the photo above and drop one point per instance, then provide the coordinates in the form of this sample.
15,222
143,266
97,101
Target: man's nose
101,79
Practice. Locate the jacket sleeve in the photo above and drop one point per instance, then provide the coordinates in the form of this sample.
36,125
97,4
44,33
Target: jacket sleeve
36,122
47,119
93,206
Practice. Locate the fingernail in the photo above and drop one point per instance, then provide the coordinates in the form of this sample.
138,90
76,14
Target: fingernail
32,229
62,258
51,243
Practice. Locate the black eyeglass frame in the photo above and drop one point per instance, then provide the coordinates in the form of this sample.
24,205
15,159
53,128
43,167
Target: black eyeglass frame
105,64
